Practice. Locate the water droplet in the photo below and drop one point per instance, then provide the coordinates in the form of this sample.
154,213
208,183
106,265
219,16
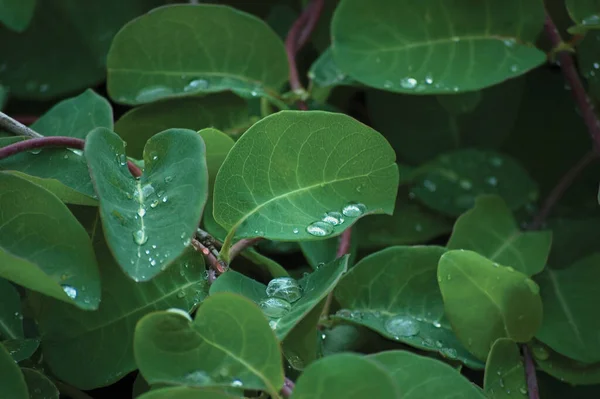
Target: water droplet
295,362
449,353
333,218
181,294
319,229
510,42
540,352
275,307
285,288
437,324
237,383
147,190
429,185
70,291
273,324
596,65
152,93
439,344
197,378
496,161
418,227
533,287
122,159
354,210
196,85
465,184
76,152
501,382
388,84
428,79
401,326
492,181
455,39
168,179
164,199
141,212
140,237
408,83
523,390
295,230
35,151
154,203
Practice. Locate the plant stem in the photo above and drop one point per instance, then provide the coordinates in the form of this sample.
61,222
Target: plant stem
217,265
344,244
241,245
288,388
557,192
532,385
16,128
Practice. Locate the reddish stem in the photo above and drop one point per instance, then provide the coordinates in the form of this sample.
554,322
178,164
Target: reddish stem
344,245
214,263
532,385
288,388
241,245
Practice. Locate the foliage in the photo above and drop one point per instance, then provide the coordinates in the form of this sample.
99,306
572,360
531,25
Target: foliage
299,199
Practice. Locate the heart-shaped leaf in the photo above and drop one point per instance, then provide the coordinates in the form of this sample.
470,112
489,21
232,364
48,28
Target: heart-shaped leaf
508,298
395,293
504,372
246,57
430,47
228,344
148,222
312,175
11,319
491,230
11,379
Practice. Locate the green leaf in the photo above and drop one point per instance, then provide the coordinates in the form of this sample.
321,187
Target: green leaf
346,376
186,393
428,47
16,14
297,327
11,320
450,183
503,303
3,96
228,344
64,49
65,193
491,230
223,111
588,61
304,164
218,145
569,296
586,13
144,65
318,253
43,247
93,349
21,349
394,292
148,222
572,240
421,377
563,368
324,72
39,386
11,378
504,372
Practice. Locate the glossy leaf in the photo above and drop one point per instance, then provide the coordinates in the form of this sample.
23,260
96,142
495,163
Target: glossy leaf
228,344
11,319
395,293
93,349
218,145
318,253
11,379
564,368
144,65
304,164
586,13
148,222
223,111
568,294
16,14
426,47
39,386
504,372
450,183
64,48
491,230
186,393
21,349
43,247
421,377
324,72
346,376
509,300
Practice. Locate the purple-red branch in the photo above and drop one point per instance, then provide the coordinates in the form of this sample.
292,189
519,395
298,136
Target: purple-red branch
288,388
241,245
532,385
344,244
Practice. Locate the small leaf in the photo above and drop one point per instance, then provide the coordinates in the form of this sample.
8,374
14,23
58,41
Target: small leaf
325,73
39,386
509,300
586,13
451,183
148,222
186,393
318,253
224,111
491,230
228,344
21,349
424,377
427,48
16,14
304,165
504,372
395,293
11,379
218,145
43,247
563,368
65,193
11,319
246,57
346,376
569,296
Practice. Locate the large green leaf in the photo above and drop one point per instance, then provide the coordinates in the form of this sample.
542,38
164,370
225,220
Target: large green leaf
43,247
64,49
223,111
93,349
504,372
12,381
16,14
229,343
144,65
11,319
432,47
564,368
186,393
421,377
291,168
394,292
450,183
148,222
569,296
39,386
491,230
586,13
502,302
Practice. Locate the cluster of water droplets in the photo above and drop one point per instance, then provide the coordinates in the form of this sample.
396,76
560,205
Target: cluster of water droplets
201,378
324,227
281,292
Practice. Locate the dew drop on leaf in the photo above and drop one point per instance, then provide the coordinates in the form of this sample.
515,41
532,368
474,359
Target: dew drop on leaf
354,210
196,84
333,218
237,383
401,326
168,179
295,231
285,288
140,237
180,312
152,93
275,307
70,291
540,352
319,229
408,83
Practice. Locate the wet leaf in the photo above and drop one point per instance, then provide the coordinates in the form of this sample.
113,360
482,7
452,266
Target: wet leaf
504,372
